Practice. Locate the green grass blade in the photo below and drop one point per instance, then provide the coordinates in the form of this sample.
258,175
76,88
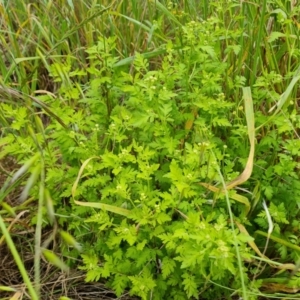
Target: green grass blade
111,208
257,55
279,240
17,258
85,163
166,12
77,27
146,55
235,239
285,96
115,209
136,22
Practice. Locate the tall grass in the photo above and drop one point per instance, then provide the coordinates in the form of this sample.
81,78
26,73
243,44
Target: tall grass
36,35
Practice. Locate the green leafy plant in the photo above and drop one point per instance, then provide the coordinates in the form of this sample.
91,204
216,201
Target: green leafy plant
156,160
149,135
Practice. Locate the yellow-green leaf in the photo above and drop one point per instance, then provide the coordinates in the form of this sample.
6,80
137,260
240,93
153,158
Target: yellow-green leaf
69,239
52,258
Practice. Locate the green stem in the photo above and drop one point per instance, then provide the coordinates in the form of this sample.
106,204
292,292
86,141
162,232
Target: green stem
278,240
257,56
18,260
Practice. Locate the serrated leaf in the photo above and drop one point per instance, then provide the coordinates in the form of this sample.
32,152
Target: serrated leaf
274,36
217,121
268,191
106,270
168,266
140,120
209,50
119,284
162,218
190,285
175,171
236,49
93,274
140,246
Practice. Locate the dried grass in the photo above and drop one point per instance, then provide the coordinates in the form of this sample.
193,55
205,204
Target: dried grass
54,283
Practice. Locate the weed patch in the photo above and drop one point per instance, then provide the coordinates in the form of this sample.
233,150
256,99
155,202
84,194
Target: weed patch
156,147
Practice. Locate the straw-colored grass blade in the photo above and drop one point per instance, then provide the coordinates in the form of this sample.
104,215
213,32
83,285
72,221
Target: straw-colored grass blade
250,243
236,197
245,175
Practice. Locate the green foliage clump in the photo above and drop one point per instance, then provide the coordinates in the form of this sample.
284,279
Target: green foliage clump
155,137
128,156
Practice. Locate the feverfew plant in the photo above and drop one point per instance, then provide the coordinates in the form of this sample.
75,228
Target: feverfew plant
155,150
131,161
